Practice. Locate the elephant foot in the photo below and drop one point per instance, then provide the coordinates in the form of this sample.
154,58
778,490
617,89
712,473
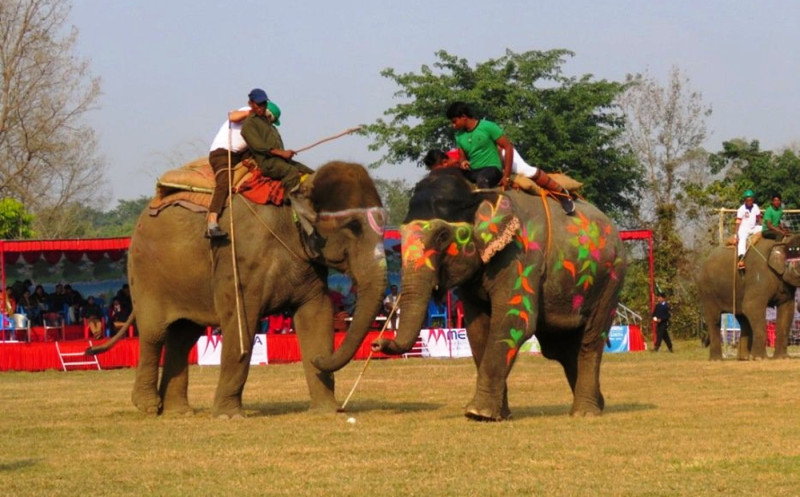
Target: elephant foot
177,410
325,408
588,408
228,413
148,404
586,413
780,355
239,415
485,414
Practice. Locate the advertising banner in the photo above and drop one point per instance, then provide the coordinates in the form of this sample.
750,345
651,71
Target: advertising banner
453,342
209,349
618,339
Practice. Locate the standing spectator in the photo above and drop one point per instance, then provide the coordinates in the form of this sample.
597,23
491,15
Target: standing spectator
772,227
661,315
748,222
389,303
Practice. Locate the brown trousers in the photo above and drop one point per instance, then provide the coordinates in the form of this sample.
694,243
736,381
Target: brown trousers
219,164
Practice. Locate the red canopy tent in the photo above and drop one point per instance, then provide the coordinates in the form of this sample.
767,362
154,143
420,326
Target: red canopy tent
53,250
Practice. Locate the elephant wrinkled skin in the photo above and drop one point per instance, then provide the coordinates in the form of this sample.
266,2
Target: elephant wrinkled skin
771,277
520,270
181,284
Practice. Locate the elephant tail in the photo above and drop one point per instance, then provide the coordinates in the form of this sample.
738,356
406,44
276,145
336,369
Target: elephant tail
106,346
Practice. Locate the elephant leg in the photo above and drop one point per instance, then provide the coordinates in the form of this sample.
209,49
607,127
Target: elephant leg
490,402
783,323
145,394
234,365
314,326
755,310
745,340
181,337
588,399
477,323
711,315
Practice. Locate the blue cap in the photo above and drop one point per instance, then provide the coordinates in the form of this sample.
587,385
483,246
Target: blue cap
258,96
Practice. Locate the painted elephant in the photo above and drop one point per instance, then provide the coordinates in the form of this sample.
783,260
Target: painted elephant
771,277
181,283
522,267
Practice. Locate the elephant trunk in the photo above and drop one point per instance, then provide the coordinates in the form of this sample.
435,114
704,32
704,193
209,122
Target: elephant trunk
416,293
370,278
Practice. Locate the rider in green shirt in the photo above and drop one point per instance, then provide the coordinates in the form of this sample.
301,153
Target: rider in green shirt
772,227
479,143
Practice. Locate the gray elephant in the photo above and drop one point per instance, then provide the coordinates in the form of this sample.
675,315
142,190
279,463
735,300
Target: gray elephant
771,277
522,267
180,284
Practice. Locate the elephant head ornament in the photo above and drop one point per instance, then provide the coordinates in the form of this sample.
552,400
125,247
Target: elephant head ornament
521,269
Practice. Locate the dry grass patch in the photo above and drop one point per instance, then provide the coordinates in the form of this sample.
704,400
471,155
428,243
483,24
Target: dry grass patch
675,424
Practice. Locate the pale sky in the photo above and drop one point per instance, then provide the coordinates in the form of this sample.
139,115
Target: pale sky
171,69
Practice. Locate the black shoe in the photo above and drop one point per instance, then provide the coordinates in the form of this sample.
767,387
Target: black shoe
568,205
215,233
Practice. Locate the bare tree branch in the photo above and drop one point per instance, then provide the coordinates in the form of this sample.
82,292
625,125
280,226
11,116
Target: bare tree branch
48,155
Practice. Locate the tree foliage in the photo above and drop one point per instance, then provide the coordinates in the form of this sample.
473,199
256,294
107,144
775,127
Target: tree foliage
395,195
665,129
557,122
15,222
48,156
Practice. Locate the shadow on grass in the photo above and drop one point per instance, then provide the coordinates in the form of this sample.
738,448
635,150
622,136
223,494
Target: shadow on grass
16,465
282,408
563,410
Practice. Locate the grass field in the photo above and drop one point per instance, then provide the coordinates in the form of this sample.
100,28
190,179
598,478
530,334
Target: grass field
675,424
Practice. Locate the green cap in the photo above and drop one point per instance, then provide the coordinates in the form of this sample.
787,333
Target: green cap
273,108
748,193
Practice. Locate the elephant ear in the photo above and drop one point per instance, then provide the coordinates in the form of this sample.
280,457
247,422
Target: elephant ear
495,226
777,258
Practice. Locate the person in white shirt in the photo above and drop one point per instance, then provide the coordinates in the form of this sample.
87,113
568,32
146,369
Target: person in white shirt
389,303
748,222
228,140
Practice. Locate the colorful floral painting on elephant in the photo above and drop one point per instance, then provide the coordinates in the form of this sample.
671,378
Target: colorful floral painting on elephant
522,267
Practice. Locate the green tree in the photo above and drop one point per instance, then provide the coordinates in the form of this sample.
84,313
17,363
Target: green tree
121,220
15,222
395,195
742,165
557,122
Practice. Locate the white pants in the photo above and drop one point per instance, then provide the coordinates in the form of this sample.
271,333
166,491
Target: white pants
743,234
519,166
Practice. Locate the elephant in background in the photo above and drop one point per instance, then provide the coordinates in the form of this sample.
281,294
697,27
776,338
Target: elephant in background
771,277
522,267
181,284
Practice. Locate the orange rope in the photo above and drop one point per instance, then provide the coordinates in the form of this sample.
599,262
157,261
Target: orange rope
544,194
